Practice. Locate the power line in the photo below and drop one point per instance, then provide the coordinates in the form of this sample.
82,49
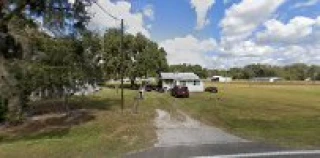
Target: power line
112,16
121,50
105,11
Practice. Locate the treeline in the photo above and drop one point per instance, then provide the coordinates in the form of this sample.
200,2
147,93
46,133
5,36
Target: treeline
296,71
197,69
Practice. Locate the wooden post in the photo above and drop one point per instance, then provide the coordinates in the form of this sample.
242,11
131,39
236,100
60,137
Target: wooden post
122,66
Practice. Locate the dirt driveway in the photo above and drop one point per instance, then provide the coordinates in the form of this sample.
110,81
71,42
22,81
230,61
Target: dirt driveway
187,131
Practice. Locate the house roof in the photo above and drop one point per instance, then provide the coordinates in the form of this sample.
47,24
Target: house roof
179,76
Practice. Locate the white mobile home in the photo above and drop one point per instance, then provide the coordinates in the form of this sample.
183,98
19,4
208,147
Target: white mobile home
221,79
266,79
190,80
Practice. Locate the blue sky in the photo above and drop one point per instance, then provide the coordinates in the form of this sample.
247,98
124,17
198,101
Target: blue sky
223,33
176,18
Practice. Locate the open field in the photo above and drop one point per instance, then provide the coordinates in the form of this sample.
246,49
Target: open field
284,82
283,114
97,129
287,115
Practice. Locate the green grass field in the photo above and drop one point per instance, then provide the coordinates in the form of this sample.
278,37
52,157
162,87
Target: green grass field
100,130
287,115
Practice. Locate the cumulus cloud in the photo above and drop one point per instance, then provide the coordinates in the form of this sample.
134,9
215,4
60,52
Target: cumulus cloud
148,12
240,22
243,18
246,48
278,43
244,41
273,55
306,3
134,22
282,47
297,30
188,49
201,8
299,54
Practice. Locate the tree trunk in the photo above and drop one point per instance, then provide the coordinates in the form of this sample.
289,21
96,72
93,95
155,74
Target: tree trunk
66,103
132,82
8,90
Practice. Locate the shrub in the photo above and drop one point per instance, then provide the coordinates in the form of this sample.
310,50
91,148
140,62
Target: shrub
3,109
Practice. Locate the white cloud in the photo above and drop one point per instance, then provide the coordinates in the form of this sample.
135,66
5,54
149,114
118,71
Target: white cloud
148,12
238,47
274,56
299,54
247,48
297,30
244,18
71,1
134,22
188,49
201,8
306,3
279,44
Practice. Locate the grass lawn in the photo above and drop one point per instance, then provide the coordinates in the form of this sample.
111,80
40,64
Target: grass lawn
287,115
97,129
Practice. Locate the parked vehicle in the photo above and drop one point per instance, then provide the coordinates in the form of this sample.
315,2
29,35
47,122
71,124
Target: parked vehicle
148,88
180,91
212,89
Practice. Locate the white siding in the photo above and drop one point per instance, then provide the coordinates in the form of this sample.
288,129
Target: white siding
167,84
193,85
191,80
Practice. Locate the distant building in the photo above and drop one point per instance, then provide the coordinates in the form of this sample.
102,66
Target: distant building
148,80
190,80
221,79
266,79
308,79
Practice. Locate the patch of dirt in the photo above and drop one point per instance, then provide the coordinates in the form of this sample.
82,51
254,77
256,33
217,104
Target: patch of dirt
46,125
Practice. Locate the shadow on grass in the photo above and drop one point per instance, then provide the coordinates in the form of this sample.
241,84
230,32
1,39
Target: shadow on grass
48,119
125,86
47,126
74,103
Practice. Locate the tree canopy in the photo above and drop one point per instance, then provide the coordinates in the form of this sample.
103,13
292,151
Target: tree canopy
142,57
197,69
27,55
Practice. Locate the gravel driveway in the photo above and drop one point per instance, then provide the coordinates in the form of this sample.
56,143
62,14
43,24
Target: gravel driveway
187,131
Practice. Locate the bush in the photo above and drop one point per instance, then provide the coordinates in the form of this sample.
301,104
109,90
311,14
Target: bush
3,109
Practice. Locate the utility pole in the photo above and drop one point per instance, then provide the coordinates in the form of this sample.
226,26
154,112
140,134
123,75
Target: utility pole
122,66
121,51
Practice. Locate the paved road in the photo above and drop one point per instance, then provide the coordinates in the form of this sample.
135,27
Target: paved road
186,137
230,150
